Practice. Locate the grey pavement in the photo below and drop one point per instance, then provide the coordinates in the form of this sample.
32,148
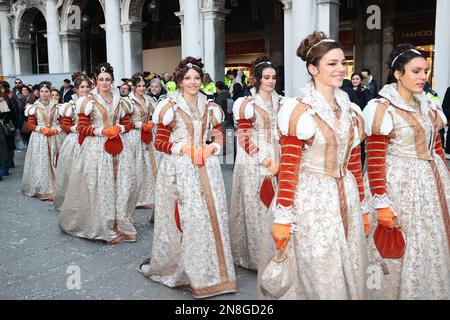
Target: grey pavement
35,254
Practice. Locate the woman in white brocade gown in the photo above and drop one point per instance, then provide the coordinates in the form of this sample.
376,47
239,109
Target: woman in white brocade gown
70,149
191,247
141,138
90,208
44,146
256,163
408,177
318,217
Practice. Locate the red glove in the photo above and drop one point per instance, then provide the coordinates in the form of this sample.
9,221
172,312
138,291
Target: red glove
48,132
386,218
281,234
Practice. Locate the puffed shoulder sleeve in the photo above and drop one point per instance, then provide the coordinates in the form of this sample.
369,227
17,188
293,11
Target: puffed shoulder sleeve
243,109
165,112
66,109
30,110
126,107
84,106
217,115
295,119
358,124
377,120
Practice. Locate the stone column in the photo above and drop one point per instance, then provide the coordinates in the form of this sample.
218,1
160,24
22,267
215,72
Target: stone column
55,60
71,47
214,41
22,55
132,47
442,53
7,56
289,51
180,15
192,38
328,18
303,23
114,43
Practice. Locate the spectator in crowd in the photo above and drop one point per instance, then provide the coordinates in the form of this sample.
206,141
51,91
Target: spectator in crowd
124,89
66,91
357,93
236,87
156,91
208,86
17,84
3,152
168,82
223,99
8,124
370,83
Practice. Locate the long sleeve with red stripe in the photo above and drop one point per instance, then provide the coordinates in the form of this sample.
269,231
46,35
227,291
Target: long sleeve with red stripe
376,147
84,125
291,152
127,123
32,123
438,148
162,143
65,123
244,137
355,167
217,135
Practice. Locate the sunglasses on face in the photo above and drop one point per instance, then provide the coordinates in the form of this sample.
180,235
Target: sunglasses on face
17,82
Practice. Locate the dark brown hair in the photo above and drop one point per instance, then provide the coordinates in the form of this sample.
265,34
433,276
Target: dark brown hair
312,52
402,54
136,78
261,63
104,67
185,65
79,77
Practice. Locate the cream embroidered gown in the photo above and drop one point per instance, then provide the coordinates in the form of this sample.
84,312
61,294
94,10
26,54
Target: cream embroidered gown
70,150
146,163
42,153
199,256
90,208
246,207
325,262
412,173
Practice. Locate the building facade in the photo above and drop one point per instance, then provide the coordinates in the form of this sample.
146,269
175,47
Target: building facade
63,36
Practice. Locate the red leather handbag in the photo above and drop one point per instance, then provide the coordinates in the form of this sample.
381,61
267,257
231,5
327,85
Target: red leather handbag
266,192
114,146
389,242
146,137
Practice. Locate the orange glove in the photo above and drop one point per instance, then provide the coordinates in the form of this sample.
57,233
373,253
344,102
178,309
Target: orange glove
386,217
147,127
48,132
366,224
194,153
115,130
112,132
207,151
271,165
281,233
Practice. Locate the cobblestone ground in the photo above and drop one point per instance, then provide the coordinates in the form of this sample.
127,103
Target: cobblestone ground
35,254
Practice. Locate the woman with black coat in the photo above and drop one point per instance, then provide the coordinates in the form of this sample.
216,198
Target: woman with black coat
8,116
